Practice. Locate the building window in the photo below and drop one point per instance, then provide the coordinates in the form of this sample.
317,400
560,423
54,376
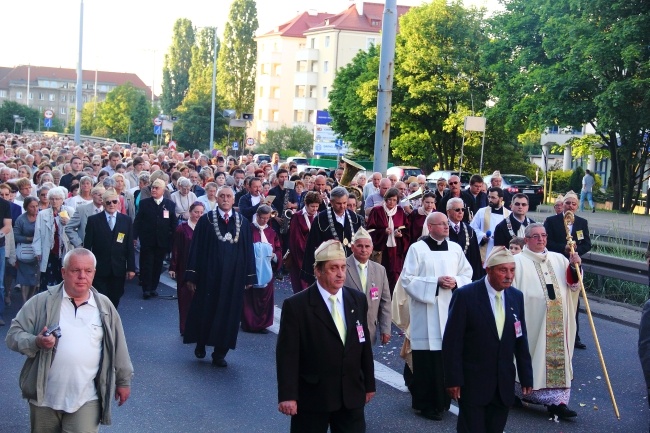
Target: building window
312,43
259,114
73,98
62,110
19,95
301,66
3,93
312,91
261,93
326,66
300,92
30,96
63,97
314,66
274,115
370,42
275,92
325,93
52,97
41,96
298,116
277,70
327,41
375,23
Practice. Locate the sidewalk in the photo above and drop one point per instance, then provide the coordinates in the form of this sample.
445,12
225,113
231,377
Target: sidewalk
618,312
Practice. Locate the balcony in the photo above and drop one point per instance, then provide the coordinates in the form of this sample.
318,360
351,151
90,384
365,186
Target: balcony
267,81
308,104
307,125
267,125
267,103
306,79
269,57
308,54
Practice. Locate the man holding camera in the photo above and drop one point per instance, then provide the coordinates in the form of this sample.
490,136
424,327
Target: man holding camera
71,391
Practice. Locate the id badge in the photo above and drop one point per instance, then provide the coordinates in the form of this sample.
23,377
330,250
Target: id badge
360,333
165,213
518,332
120,237
374,293
580,235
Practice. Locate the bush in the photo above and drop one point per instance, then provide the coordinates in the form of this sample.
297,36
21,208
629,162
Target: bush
560,181
575,181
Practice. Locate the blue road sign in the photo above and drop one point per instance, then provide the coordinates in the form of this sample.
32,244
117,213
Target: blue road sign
157,129
47,123
235,145
338,143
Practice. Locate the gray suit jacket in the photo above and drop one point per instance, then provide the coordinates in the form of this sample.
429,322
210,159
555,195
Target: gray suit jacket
379,311
76,227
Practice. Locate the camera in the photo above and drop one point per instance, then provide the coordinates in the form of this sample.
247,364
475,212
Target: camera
53,330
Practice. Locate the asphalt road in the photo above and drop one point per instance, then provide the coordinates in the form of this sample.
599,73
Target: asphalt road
174,392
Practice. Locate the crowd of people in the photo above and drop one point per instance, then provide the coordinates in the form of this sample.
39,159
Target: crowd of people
396,250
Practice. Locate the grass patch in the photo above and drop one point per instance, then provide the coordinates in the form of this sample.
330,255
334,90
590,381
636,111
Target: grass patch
616,290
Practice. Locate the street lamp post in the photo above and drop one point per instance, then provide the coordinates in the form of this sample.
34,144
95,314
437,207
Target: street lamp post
214,88
77,120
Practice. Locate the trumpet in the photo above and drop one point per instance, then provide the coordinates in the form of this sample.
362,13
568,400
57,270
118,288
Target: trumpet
288,213
274,213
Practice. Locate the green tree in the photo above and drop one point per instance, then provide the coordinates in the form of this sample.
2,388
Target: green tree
176,68
125,115
90,118
297,139
237,57
439,78
353,101
10,108
567,64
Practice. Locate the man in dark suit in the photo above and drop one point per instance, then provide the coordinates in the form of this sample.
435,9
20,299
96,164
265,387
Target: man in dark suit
370,278
557,242
154,225
109,235
249,202
486,327
76,227
324,358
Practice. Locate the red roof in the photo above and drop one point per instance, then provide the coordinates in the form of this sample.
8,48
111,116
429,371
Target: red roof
350,19
19,73
297,27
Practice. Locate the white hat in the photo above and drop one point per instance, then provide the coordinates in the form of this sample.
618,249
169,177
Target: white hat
329,250
499,256
361,234
570,194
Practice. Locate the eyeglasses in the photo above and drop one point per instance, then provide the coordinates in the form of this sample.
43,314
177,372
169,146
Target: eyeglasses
453,183
111,201
97,165
460,209
520,204
438,224
538,237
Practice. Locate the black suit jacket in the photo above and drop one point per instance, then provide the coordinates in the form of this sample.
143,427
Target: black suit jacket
113,249
246,207
556,232
151,227
313,366
474,357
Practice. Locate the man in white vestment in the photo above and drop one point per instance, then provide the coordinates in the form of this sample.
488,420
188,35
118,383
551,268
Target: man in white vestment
549,284
434,267
486,219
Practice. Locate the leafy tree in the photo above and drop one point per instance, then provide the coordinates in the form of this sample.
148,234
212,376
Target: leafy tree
567,64
176,75
125,114
90,118
438,74
297,139
353,101
7,111
237,57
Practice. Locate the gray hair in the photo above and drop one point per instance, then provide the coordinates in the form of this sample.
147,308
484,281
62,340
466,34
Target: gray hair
109,182
81,252
59,191
529,228
339,192
264,210
144,177
86,179
455,201
183,181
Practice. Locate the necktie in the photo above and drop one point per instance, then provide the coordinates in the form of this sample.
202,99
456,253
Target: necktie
362,276
456,228
225,218
338,320
111,222
499,314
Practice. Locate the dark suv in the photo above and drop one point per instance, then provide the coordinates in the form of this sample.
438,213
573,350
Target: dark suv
516,183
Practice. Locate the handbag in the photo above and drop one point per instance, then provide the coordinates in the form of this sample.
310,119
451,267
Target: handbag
375,256
25,253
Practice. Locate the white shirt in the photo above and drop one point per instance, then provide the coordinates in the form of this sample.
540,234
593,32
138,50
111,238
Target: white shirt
71,380
98,209
340,219
223,214
339,301
255,200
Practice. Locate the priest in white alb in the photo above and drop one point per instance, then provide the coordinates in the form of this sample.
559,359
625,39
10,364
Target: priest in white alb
434,267
550,286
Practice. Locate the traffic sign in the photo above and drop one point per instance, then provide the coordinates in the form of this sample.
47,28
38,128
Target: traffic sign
172,145
48,114
235,145
250,141
338,143
157,121
157,129
47,122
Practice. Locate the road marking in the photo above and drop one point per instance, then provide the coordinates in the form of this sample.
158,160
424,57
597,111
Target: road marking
383,373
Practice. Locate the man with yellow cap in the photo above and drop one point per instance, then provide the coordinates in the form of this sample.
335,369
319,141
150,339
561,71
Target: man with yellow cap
324,363
370,278
557,242
486,330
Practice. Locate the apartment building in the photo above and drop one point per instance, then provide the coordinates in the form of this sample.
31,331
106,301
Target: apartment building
43,88
297,62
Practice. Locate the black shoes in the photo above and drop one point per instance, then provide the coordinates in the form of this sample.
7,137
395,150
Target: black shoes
579,345
562,411
432,414
219,362
149,294
593,210
199,352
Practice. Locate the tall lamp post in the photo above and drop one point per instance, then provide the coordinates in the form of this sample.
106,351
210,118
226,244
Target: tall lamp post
214,89
77,119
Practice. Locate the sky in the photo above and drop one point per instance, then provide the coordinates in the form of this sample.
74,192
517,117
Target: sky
130,35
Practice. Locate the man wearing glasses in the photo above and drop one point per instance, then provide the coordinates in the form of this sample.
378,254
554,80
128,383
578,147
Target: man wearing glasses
456,192
550,286
461,233
515,224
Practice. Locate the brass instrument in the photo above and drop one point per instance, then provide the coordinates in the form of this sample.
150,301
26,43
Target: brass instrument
288,213
284,227
569,219
351,170
274,213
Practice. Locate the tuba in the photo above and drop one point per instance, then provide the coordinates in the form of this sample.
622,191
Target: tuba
351,170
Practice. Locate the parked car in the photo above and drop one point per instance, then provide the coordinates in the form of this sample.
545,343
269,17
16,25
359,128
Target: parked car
403,172
446,174
516,183
258,158
300,161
